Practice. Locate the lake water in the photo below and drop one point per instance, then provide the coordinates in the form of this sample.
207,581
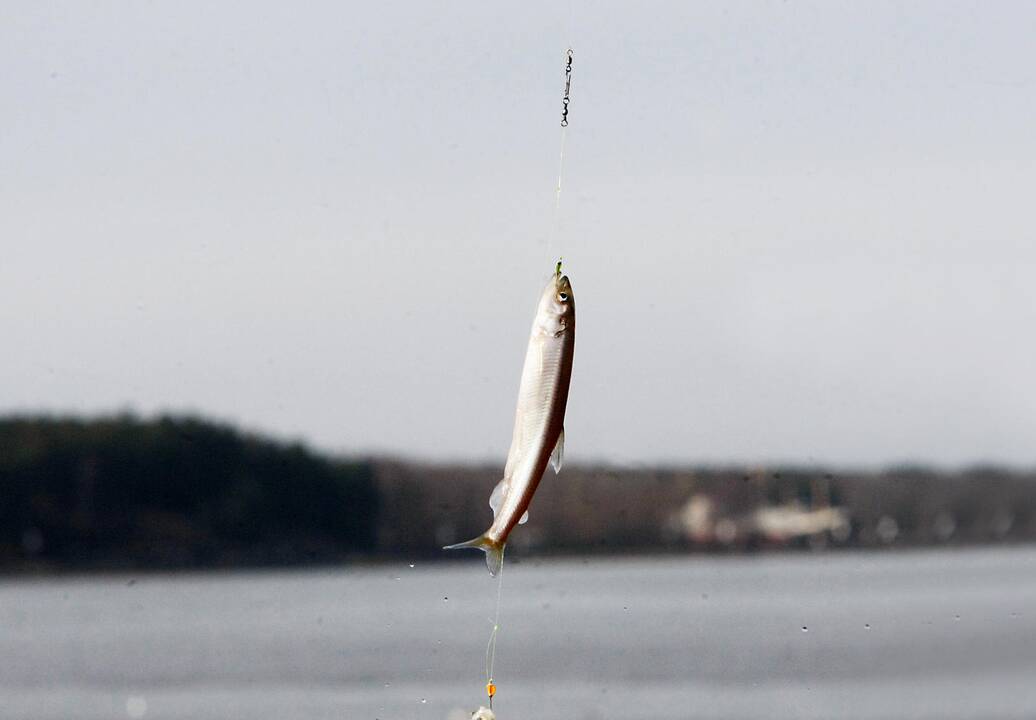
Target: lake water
855,635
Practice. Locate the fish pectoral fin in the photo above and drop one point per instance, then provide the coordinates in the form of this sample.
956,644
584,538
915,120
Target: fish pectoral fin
558,455
525,518
496,499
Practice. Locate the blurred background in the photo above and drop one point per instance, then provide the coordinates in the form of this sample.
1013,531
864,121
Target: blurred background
265,286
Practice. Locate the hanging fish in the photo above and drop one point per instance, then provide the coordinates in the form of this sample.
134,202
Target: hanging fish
539,421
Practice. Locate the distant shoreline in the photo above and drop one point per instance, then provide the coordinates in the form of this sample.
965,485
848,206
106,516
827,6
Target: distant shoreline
179,493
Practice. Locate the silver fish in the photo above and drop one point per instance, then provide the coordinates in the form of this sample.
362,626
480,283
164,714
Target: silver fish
539,420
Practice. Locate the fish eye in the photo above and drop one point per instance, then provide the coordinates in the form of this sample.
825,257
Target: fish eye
562,297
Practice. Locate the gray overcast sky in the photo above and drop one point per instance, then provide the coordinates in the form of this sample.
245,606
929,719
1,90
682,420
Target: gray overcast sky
796,231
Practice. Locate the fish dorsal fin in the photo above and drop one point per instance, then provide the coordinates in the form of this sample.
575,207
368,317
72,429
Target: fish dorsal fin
558,455
525,518
497,498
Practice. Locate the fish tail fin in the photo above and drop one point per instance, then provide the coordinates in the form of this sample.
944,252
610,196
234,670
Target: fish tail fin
494,551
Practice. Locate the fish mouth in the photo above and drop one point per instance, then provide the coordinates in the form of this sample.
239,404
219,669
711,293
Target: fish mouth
563,289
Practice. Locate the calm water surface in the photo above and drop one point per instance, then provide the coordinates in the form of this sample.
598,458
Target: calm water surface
914,635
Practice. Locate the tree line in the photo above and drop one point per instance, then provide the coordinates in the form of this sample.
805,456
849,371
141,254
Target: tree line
123,492
173,492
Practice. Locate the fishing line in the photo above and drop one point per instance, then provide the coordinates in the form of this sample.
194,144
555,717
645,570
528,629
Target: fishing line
565,99
491,645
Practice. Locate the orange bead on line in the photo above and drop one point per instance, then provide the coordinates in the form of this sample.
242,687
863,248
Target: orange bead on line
490,689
